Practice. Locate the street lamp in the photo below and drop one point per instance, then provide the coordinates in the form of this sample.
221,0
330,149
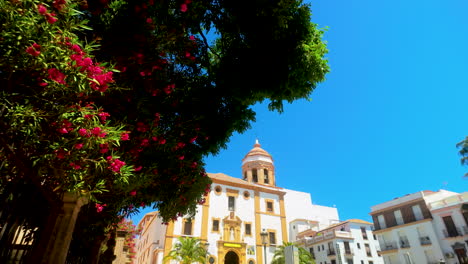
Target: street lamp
264,235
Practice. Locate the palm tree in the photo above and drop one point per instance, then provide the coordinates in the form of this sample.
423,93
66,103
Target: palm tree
187,250
304,256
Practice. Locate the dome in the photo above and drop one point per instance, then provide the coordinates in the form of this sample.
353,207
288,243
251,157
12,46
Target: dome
257,154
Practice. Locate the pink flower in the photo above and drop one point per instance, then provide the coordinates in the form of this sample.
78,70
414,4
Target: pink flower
162,141
59,4
183,8
99,207
103,148
96,131
192,37
79,145
56,75
76,49
137,168
83,132
133,193
34,50
103,116
187,54
192,140
42,9
51,18
115,165
181,158
149,20
124,136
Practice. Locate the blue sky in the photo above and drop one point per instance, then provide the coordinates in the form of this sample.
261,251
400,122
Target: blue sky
386,120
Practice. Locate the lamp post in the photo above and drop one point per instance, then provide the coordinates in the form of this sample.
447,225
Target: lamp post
206,251
264,235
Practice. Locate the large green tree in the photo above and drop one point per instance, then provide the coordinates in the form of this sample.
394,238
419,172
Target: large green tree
187,250
119,101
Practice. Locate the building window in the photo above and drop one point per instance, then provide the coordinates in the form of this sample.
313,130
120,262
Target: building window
450,225
231,203
364,232
349,261
246,195
362,261
269,206
381,220
398,217
272,236
254,175
358,245
417,212
323,247
347,248
465,214
265,175
215,225
371,262
245,175
187,227
248,229
368,250
318,248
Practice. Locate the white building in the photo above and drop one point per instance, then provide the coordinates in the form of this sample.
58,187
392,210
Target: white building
235,214
450,220
410,229
348,242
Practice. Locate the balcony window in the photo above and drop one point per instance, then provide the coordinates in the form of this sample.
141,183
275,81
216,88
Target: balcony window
398,217
417,212
272,236
269,206
450,225
364,233
368,250
381,220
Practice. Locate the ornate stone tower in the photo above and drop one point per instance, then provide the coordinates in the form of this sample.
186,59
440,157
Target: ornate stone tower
257,166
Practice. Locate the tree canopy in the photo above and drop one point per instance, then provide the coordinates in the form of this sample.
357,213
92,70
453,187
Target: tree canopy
120,100
304,256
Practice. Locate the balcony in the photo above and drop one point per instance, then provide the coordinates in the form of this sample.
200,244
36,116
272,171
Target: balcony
425,240
452,232
388,246
348,251
331,252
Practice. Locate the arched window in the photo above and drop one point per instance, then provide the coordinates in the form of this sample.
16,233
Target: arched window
265,175
254,175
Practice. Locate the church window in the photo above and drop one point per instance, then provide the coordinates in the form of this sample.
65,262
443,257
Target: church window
246,195
254,175
272,236
245,175
269,206
231,203
215,225
265,175
187,227
218,190
248,229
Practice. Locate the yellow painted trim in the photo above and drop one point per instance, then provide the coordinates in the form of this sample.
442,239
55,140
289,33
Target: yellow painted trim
168,238
232,192
205,214
234,245
380,231
250,186
258,228
284,231
267,213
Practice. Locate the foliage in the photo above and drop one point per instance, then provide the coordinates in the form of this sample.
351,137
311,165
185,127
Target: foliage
463,146
120,100
187,250
304,256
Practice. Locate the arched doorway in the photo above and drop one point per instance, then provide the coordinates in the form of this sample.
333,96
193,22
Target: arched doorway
231,258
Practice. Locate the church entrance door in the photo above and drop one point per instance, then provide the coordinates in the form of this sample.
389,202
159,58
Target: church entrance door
231,258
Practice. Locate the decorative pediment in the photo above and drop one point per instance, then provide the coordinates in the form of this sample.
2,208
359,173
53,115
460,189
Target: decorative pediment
232,228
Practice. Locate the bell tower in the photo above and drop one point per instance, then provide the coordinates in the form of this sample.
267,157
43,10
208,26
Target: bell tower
257,166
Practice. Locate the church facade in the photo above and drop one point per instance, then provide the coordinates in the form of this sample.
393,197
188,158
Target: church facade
243,220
